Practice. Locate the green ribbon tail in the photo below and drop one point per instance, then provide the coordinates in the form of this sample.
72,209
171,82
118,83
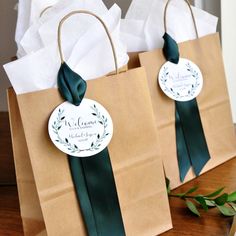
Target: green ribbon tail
96,190
193,134
80,184
191,144
183,156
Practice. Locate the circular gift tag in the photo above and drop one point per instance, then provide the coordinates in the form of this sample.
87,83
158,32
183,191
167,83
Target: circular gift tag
181,82
81,131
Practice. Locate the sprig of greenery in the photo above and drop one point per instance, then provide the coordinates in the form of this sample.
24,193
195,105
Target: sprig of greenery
224,202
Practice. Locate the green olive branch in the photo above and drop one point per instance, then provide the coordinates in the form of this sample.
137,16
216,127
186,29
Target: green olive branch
224,202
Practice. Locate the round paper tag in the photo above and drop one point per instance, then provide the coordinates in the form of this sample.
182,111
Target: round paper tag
181,82
81,131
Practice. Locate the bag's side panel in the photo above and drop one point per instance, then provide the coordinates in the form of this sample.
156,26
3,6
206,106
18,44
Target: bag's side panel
31,213
133,150
213,103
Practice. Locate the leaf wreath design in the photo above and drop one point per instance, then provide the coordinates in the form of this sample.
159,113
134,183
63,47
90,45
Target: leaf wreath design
194,75
175,94
103,121
73,148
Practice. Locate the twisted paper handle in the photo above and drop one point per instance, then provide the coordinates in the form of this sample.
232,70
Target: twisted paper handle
194,20
99,19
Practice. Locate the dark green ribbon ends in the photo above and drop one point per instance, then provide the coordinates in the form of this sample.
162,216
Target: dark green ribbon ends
191,145
92,176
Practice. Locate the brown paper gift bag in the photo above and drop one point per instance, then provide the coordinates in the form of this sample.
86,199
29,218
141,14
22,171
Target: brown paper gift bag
135,157
213,103
31,214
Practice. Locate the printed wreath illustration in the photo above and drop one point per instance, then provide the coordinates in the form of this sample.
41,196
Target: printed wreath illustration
73,148
175,94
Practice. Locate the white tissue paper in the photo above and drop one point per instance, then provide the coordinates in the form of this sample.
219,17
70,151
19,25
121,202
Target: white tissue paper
83,56
38,7
135,39
22,25
48,30
44,31
38,71
179,22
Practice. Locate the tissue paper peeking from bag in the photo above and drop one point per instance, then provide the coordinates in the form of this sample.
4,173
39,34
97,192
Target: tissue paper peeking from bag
96,36
179,23
48,31
44,31
38,71
134,40
39,7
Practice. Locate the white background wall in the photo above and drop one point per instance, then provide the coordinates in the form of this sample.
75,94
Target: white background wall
228,11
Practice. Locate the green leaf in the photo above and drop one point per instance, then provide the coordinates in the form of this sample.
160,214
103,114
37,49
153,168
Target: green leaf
217,192
191,190
226,211
221,200
182,195
201,200
210,203
192,207
231,197
168,185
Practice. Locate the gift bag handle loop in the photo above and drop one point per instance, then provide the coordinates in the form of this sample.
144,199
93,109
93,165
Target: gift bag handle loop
99,19
44,10
191,11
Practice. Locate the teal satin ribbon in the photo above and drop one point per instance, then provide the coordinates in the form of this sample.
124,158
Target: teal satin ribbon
92,176
192,149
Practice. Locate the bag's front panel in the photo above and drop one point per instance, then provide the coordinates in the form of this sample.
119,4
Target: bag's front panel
52,177
133,150
31,213
213,103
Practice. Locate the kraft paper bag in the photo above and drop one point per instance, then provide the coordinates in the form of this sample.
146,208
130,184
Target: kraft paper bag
213,103
31,214
134,153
